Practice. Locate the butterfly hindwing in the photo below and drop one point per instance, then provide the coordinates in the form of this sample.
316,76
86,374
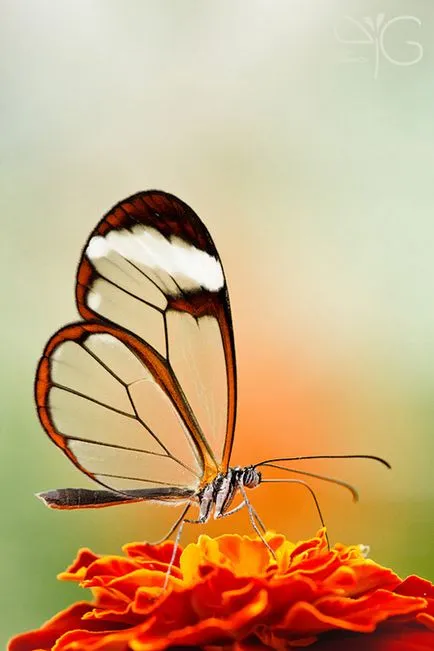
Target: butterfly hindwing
114,407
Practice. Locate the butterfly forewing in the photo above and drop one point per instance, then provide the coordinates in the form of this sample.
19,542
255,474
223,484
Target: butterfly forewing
151,267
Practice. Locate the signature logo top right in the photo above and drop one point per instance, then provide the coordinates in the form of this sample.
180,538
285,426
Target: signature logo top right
377,33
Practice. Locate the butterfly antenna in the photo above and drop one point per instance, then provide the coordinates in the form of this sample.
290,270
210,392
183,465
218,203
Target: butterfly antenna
327,456
332,480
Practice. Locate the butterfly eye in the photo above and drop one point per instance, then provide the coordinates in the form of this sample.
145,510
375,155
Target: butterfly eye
251,477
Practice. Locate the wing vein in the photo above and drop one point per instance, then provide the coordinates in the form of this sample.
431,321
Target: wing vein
122,289
101,363
94,400
148,429
166,340
114,445
146,276
145,481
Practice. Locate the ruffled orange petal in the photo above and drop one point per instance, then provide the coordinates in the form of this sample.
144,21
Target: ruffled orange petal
230,593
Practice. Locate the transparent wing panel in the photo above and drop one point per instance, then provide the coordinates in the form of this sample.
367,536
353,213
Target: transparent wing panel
125,464
197,358
128,312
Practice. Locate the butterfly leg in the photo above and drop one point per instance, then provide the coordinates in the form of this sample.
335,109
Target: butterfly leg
254,518
234,510
238,508
174,527
259,520
181,522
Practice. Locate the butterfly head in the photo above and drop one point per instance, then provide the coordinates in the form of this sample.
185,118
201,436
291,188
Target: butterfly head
251,477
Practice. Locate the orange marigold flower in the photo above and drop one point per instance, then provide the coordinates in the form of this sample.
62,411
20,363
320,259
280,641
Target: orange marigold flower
228,593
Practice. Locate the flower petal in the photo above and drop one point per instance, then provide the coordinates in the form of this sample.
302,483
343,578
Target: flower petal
45,637
230,594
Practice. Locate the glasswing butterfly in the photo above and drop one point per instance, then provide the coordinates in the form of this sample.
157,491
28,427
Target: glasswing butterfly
141,394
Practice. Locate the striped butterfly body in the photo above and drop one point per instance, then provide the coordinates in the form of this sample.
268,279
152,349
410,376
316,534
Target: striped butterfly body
141,393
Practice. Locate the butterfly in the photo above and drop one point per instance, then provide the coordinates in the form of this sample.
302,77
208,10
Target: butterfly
141,394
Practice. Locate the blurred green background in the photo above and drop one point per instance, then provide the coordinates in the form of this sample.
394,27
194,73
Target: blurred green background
310,159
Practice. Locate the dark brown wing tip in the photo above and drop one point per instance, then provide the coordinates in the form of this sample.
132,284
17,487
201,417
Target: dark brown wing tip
52,499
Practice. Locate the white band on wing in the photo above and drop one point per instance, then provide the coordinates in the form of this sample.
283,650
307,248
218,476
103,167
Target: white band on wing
189,266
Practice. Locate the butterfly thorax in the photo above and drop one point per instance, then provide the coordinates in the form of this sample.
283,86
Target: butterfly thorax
220,492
